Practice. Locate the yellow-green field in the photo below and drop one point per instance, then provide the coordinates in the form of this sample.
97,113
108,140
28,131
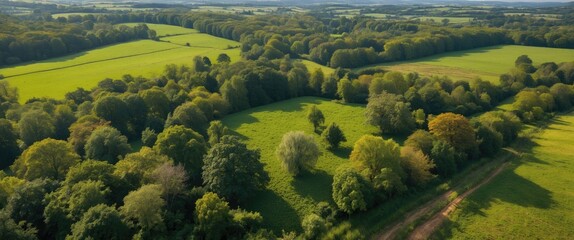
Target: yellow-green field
202,40
163,30
289,199
487,63
311,66
532,199
55,77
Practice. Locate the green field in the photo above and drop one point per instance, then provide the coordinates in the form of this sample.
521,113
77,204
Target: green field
487,63
288,200
532,199
57,76
202,40
311,66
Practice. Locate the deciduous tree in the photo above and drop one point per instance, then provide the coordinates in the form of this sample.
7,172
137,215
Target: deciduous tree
297,152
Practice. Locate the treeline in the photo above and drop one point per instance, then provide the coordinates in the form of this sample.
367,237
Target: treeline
22,41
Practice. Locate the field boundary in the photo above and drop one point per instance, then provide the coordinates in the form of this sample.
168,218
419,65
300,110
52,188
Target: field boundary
90,62
428,209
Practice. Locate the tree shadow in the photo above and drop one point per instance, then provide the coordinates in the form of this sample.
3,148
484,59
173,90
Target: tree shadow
315,184
234,121
342,151
277,212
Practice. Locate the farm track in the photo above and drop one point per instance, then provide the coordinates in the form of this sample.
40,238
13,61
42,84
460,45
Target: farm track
91,62
425,229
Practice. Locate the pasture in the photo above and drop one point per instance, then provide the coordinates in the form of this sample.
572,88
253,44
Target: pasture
487,63
55,77
531,199
164,30
311,66
289,199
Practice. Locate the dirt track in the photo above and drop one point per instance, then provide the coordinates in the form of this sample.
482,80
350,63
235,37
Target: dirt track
425,229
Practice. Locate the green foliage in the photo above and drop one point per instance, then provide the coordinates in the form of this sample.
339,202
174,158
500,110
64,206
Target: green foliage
390,113
216,131
505,123
417,166
212,216
421,140
233,171
489,140
315,116
113,109
8,144
35,125
144,207
190,116
333,135
149,137
9,229
48,158
350,191
297,152
371,154
443,155
455,129
81,130
107,144
313,226
137,168
345,90
388,183
63,118
27,203
185,147
100,222
7,187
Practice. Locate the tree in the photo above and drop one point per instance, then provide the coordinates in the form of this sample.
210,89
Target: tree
9,229
63,118
185,147
223,58
421,140
100,222
316,80
390,113
35,125
371,154
333,136
48,158
149,137
27,203
313,226
172,179
212,215
107,144
315,116
8,144
144,208
350,191
297,152
443,155
82,129
445,21
156,101
113,109
455,129
189,115
345,90
216,131
233,171
417,166
137,168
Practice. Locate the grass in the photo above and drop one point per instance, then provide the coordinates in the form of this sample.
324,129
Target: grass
55,77
487,63
289,199
202,40
532,199
311,66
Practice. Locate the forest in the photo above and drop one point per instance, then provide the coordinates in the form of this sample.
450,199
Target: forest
153,157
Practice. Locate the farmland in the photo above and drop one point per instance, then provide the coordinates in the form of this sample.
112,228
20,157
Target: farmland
487,63
288,199
55,77
524,202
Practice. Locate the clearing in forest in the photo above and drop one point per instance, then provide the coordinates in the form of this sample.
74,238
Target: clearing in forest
487,63
57,76
289,199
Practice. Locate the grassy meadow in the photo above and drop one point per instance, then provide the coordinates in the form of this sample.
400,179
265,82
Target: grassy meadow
531,199
487,63
164,30
289,199
55,77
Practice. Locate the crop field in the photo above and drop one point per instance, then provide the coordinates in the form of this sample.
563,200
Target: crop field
55,77
487,63
289,199
532,199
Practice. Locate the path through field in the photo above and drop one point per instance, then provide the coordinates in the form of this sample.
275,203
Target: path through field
424,230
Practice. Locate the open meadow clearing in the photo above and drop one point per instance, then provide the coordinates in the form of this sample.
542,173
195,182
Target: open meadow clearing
289,199
57,76
487,63
531,199
164,30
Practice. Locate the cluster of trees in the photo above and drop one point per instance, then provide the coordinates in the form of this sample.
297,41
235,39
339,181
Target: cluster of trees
22,41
